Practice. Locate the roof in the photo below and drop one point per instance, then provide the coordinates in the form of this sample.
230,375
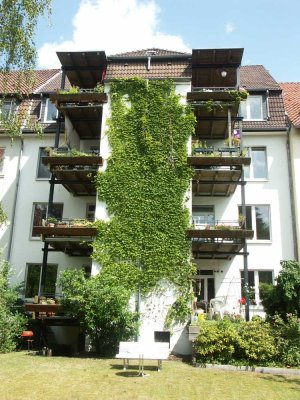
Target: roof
291,98
152,51
15,82
257,77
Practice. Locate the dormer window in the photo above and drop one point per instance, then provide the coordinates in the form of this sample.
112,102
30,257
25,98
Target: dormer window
252,108
50,111
7,108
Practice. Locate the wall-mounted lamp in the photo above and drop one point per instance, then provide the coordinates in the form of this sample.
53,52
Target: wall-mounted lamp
223,73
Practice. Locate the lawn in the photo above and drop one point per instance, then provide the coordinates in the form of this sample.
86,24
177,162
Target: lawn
33,377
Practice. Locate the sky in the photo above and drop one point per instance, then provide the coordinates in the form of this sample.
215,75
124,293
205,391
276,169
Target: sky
268,30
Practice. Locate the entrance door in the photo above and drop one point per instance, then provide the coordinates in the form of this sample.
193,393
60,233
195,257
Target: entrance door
205,287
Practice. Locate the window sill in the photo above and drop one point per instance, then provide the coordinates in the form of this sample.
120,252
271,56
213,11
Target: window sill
256,180
43,179
256,241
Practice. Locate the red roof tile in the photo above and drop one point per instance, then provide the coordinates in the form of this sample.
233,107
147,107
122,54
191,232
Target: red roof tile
257,77
291,98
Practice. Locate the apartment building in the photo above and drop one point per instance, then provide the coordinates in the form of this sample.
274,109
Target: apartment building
239,198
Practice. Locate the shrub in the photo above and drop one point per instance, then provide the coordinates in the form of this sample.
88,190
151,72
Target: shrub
287,336
101,307
256,344
284,297
11,321
216,342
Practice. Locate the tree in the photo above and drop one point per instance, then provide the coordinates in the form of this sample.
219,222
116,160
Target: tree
284,297
101,306
11,321
18,20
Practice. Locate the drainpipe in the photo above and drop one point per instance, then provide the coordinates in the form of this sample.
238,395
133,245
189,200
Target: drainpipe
15,203
292,190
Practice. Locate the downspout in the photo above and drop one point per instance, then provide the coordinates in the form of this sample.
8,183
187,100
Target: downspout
15,203
291,189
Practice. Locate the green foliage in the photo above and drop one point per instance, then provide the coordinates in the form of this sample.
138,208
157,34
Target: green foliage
101,307
216,342
249,343
3,216
180,310
11,321
255,344
144,187
284,297
287,336
18,20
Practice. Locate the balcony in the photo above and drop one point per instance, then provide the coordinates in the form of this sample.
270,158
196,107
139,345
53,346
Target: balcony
75,172
217,173
207,65
72,237
221,241
84,110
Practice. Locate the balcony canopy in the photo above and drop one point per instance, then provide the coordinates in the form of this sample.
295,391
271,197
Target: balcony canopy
76,174
73,241
207,65
218,243
84,69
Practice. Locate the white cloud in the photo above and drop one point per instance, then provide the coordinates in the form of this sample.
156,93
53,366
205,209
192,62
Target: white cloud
113,26
229,27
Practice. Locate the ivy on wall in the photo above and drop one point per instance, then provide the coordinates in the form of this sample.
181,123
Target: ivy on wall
144,187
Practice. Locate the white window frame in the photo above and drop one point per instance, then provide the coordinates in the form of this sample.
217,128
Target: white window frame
47,100
253,220
250,168
32,216
39,265
246,106
12,108
38,165
256,282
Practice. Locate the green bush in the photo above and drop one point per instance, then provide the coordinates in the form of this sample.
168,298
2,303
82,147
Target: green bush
101,307
256,344
287,335
284,297
216,342
249,343
11,321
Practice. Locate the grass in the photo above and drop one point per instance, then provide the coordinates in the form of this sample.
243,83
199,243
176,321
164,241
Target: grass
31,377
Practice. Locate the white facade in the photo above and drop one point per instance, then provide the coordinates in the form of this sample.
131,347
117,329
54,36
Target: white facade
20,189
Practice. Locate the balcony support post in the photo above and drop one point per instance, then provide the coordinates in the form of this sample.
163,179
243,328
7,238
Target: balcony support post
51,195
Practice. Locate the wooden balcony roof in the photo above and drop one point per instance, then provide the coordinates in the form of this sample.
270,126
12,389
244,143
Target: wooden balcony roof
74,241
207,65
218,243
84,110
76,174
84,69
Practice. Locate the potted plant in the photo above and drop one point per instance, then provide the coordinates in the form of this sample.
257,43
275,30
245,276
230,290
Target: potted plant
51,221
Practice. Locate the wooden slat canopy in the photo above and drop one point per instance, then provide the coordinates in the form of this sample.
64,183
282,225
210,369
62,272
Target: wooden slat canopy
84,69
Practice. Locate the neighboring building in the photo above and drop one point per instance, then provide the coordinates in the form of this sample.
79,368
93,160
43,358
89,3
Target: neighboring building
291,98
251,179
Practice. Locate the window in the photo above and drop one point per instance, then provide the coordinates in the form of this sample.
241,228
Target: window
43,171
258,219
203,215
7,108
258,167
50,112
255,278
33,277
90,212
252,108
40,211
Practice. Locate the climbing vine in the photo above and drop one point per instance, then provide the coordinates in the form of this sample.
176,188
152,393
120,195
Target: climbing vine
144,187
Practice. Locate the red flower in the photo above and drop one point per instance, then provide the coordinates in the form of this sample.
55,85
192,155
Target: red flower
242,300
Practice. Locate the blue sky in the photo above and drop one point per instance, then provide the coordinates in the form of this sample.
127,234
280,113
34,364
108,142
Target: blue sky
268,30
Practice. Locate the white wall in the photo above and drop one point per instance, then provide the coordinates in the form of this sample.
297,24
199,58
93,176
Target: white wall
24,248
